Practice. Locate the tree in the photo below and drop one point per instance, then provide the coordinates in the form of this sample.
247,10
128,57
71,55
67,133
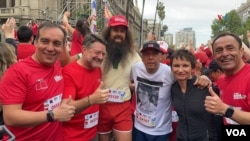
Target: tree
161,11
231,22
161,14
164,28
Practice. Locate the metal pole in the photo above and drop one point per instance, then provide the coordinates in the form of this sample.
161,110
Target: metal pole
141,28
127,9
155,16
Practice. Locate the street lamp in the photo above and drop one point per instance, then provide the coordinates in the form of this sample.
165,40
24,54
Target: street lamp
141,28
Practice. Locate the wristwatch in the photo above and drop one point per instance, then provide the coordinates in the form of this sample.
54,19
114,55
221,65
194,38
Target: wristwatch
229,112
50,116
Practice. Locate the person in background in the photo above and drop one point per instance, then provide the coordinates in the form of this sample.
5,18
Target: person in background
83,83
10,32
233,102
115,115
214,71
32,108
82,28
195,123
201,58
25,48
7,57
164,50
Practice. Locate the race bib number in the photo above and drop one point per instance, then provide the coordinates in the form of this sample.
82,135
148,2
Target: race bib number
230,121
145,119
91,120
116,96
53,102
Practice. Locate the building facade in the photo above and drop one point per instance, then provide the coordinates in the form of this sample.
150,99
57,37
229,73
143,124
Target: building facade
25,10
169,38
244,11
184,36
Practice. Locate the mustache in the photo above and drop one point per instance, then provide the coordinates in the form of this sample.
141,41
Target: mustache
118,37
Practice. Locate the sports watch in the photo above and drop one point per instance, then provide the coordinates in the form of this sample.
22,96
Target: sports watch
229,112
50,116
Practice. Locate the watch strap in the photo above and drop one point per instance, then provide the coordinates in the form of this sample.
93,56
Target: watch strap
50,116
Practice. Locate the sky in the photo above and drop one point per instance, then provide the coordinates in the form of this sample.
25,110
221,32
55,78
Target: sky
197,14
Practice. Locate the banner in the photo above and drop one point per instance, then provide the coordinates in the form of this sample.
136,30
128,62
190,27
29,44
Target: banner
93,25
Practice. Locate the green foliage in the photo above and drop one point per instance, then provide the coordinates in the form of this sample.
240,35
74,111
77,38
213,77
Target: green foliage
164,28
230,22
161,10
83,10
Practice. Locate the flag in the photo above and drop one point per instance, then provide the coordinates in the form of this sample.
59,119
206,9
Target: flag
93,25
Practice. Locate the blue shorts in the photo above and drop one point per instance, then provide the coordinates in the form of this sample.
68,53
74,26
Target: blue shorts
140,136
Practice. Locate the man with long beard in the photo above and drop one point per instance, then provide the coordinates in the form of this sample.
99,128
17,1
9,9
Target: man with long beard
115,115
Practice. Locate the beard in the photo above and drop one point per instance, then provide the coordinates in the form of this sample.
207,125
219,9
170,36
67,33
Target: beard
116,53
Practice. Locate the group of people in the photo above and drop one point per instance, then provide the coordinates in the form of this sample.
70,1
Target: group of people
55,94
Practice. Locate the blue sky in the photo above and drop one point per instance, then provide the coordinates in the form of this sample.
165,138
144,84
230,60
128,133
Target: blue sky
197,14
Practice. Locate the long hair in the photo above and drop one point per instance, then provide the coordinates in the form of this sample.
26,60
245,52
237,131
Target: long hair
7,57
82,25
129,49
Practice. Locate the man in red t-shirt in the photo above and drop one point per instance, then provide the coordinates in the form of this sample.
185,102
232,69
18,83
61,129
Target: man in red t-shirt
234,84
31,90
83,83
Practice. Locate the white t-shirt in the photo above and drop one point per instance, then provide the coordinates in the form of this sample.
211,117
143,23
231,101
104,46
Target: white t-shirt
158,121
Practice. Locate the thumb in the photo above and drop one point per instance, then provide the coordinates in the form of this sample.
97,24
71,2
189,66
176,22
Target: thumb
211,91
69,100
100,85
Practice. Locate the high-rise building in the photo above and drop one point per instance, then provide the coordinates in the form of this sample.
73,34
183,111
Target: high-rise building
168,38
244,11
184,36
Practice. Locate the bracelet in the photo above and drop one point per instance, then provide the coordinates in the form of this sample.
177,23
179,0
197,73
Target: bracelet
89,101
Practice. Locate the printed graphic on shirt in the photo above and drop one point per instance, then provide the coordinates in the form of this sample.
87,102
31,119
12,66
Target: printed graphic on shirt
41,84
53,102
58,78
116,96
91,120
147,98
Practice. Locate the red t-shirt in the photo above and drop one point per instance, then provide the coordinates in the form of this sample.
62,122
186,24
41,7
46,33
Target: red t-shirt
234,90
34,28
79,83
76,44
37,88
25,50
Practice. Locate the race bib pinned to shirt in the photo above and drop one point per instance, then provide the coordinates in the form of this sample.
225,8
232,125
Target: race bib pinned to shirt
116,96
53,102
145,119
91,120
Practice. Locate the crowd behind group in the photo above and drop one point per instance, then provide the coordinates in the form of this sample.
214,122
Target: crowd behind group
64,83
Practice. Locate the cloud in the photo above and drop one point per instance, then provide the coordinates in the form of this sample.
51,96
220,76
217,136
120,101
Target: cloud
197,14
